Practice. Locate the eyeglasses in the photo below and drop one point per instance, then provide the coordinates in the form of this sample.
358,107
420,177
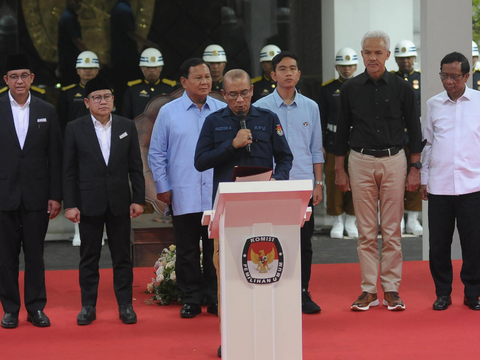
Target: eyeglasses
97,99
244,94
454,77
15,78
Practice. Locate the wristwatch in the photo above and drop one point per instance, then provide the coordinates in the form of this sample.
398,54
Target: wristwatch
417,165
319,183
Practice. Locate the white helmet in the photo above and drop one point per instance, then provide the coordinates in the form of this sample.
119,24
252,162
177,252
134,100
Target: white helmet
151,57
214,53
474,49
268,52
346,56
87,59
405,48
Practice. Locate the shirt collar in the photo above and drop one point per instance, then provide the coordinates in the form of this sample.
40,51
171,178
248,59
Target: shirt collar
227,112
279,101
467,94
14,102
385,77
98,124
188,103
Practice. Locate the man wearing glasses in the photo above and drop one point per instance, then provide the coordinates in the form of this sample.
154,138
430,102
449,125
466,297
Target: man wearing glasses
300,117
450,173
101,155
375,108
30,190
186,191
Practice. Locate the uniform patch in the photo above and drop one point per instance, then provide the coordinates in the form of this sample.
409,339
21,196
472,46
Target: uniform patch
279,130
305,124
262,260
78,95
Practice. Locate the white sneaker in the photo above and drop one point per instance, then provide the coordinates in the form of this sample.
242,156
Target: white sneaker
350,226
103,238
337,229
402,225
76,238
413,225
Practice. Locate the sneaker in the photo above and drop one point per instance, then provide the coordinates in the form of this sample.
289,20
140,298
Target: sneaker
308,305
350,226
413,225
393,301
364,302
76,238
337,228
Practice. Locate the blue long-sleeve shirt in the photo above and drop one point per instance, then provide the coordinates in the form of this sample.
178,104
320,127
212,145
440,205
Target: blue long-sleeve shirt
301,124
171,154
215,150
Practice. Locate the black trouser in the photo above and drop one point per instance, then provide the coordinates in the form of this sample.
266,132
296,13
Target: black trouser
26,229
443,210
192,282
118,233
306,252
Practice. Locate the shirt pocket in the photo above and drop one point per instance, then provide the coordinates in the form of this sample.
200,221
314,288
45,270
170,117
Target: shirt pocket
261,146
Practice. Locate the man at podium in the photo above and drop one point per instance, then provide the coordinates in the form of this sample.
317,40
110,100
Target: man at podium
240,135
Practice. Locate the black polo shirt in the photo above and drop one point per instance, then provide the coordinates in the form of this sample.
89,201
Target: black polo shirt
374,115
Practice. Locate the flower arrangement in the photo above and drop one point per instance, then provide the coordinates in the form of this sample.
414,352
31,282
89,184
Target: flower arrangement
164,284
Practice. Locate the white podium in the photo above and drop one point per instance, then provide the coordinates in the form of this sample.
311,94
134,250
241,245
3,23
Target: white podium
258,227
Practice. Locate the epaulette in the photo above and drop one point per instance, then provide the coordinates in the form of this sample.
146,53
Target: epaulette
393,71
328,82
37,89
65,88
134,82
419,71
172,83
2,90
257,79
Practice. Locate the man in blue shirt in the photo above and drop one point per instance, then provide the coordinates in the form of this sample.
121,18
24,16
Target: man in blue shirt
300,118
187,191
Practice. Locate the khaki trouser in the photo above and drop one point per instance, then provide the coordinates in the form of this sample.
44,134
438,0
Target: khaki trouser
413,199
372,180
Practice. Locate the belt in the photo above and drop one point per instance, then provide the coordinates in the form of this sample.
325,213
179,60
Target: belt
379,152
332,128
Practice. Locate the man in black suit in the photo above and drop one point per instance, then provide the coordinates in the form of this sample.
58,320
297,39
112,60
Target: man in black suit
101,154
30,190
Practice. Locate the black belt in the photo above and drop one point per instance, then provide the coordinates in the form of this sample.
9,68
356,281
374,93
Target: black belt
379,152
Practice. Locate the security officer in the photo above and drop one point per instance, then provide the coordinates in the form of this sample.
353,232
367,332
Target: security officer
263,84
475,67
141,91
70,102
405,55
338,202
215,57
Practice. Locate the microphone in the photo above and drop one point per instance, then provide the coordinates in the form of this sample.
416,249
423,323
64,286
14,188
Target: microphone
243,125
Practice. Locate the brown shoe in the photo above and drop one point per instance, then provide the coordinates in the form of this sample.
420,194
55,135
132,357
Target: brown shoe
364,302
393,301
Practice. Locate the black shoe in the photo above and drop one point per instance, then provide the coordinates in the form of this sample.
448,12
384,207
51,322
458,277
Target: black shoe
10,320
213,309
86,315
38,318
308,305
473,304
126,314
190,311
442,302
219,351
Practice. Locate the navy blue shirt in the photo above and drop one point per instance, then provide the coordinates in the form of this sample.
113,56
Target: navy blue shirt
215,150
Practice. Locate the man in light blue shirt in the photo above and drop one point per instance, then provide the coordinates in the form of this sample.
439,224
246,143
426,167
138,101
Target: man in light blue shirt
300,119
185,190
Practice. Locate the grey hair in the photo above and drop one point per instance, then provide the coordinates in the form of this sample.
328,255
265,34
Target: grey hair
377,34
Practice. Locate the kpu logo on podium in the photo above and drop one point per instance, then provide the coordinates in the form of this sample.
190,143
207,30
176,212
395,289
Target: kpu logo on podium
262,260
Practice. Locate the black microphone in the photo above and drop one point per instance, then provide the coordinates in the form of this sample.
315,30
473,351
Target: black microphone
243,125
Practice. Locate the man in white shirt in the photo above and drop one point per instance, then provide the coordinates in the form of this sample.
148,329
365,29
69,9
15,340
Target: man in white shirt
450,173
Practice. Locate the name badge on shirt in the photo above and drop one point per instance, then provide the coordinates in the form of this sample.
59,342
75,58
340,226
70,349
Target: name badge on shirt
123,135
42,120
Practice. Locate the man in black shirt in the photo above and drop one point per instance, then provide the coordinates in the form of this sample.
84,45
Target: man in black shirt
375,108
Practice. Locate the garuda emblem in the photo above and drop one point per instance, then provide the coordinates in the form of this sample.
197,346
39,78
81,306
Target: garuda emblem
262,260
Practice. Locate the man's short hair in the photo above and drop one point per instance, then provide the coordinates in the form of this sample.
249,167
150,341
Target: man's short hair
187,64
377,34
456,56
235,74
279,57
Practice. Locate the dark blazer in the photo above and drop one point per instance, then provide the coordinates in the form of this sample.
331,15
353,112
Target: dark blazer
90,184
32,175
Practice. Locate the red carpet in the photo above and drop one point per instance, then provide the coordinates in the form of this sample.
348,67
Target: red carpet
336,333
